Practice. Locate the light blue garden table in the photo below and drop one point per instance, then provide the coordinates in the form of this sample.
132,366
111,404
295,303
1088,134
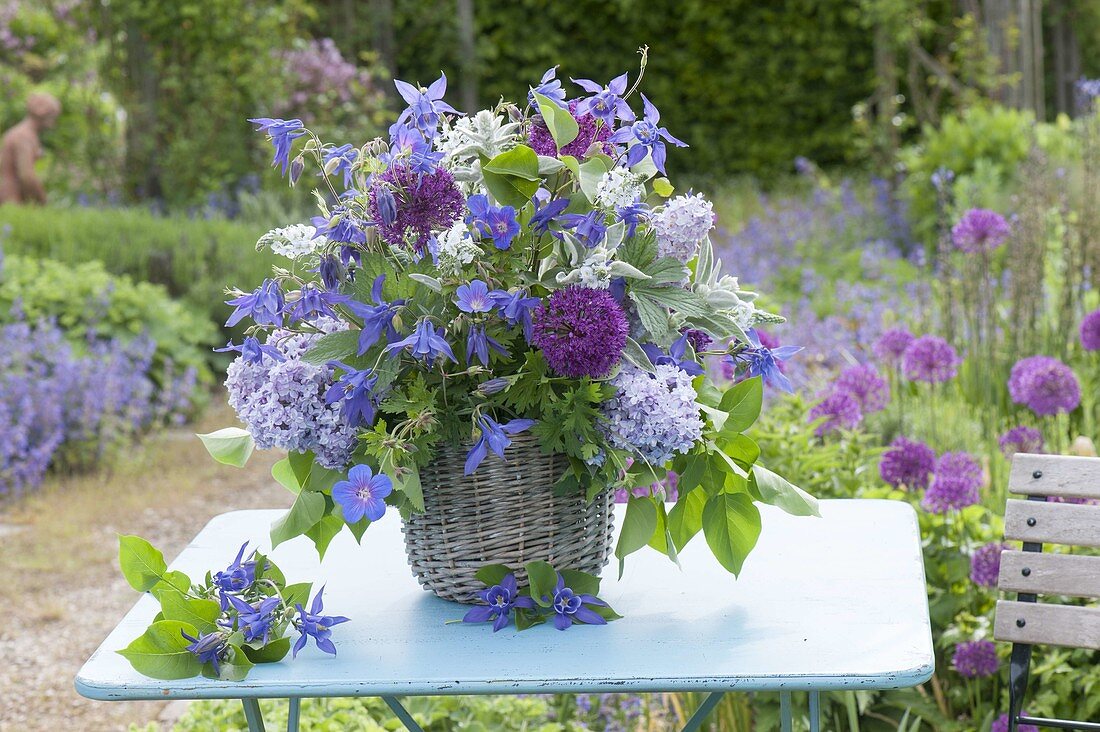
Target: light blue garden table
832,603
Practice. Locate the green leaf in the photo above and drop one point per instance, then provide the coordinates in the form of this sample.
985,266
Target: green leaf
591,171
283,474
323,532
664,271
273,652
542,578
229,446
777,491
605,612
307,510
161,651
654,318
731,525
297,593
685,520
581,582
176,580
142,565
509,190
684,302
200,613
742,403
337,346
234,667
639,524
493,574
519,162
563,127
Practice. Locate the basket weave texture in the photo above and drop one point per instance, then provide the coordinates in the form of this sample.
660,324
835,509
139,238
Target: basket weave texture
505,513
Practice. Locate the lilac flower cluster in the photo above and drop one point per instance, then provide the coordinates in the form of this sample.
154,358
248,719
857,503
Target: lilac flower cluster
681,224
1045,385
955,483
1020,439
985,564
282,402
975,659
319,77
652,415
907,463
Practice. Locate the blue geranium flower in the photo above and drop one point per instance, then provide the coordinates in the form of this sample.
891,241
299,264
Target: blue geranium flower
647,138
675,356
494,221
425,106
355,391
362,494
501,600
473,297
424,343
493,437
606,103
317,626
264,305
569,607
252,351
282,133
377,318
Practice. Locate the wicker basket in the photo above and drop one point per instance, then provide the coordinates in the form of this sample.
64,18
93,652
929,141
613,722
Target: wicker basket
505,513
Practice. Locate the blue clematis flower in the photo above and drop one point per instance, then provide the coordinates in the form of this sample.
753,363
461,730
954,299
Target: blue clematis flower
255,621
647,138
764,362
282,133
264,305
473,298
515,307
478,343
424,106
362,494
550,87
355,391
493,437
547,213
675,356
569,607
377,318
238,576
209,647
589,227
344,157
424,343
313,302
316,626
632,215
501,600
607,102
252,351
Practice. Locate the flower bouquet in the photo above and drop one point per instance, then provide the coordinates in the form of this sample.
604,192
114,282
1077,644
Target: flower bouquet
498,321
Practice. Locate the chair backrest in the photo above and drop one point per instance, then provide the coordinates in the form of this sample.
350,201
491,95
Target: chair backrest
1031,573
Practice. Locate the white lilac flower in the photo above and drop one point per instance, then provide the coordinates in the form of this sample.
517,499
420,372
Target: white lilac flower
455,249
617,188
652,415
681,225
294,241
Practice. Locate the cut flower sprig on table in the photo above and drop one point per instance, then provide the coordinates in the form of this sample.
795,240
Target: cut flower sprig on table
522,270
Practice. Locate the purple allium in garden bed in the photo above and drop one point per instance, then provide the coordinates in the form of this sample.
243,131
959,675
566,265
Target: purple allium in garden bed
865,384
955,483
985,564
907,463
1090,331
1045,385
930,359
1000,724
1020,439
975,659
841,409
980,230
891,345
581,332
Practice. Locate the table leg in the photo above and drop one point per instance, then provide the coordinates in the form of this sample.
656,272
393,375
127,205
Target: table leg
294,715
252,715
703,711
785,711
402,714
815,712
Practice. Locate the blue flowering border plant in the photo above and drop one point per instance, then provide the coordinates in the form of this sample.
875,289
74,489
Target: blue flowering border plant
526,268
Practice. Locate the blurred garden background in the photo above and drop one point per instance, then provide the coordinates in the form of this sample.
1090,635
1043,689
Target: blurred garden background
846,141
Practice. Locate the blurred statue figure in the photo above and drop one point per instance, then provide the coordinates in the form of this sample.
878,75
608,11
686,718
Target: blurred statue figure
20,148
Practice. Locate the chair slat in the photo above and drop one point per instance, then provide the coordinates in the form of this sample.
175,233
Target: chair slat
1052,523
1050,574
1059,475
1054,625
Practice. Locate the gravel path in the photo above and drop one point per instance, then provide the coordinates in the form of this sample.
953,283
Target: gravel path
58,565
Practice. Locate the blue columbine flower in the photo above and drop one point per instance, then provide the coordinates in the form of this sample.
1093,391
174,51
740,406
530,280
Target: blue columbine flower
478,343
515,307
493,386
494,437
377,318
550,87
387,205
313,302
282,133
332,272
237,577
264,305
342,227
632,215
570,607
362,494
407,144
473,298
252,351
424,106
345,155
647,138
589,227
255,621
355,391
607,102
495,221
317,626
764,362
209,647
424,343
501,599
675,356
545,214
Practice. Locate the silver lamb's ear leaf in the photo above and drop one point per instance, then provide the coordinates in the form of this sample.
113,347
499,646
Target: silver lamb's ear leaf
703,266
547,264
427,280
619,268
634,353
614,235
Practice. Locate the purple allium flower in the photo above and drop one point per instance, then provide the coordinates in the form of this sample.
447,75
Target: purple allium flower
499,601
1021,439
864,383
985,564
980,230
209,647
841,410
425,202
425,106
931,359
424,343
362,494
1090,331
652,415
264,305
589,132
907,463
700,340
569,607
647,137
377,318
1000,724
581,332
1045,385
975,659
354,390
317,626
681,224
891,345
607,102
282,134
494,436
955,483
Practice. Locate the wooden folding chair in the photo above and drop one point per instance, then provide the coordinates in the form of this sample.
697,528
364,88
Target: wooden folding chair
1029,573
